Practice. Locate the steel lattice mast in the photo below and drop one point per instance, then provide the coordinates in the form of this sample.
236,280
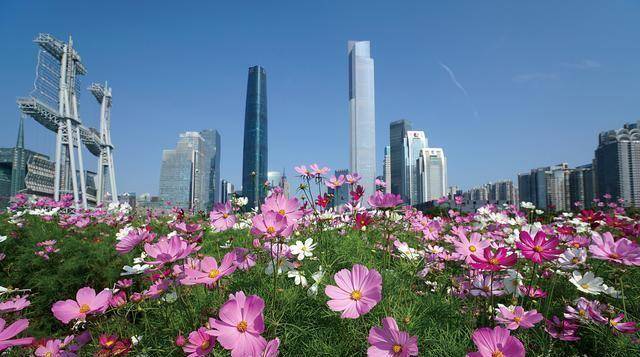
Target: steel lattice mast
105,159
57,85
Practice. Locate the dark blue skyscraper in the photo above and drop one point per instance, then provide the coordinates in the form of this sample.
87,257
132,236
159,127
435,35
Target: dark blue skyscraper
254,155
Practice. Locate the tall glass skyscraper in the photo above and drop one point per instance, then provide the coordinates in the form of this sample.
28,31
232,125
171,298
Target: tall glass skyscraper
362,114
255,154
431,174
212,161
182,175
414,142
397,132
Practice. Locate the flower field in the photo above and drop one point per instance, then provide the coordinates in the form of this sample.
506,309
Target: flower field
298,278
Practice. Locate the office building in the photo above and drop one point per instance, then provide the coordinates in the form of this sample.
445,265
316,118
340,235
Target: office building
582,185
386,167
397,132
255,153
212,171
617,164
227,191
362,113
546,187
414,142
431,172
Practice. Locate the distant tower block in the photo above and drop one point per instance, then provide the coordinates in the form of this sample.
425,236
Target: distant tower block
106,169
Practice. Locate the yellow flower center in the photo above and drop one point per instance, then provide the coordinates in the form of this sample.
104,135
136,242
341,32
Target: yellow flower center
538,248
225,215
281,212
356,295
517,319
109,343
271,230
214,273
613,323
472,248
494,261
84,308
205,344
581,312
575,260
397,348
614,256
242,326
585,286
48,354
497,354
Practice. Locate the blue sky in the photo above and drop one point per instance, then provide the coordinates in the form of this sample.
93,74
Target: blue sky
541,78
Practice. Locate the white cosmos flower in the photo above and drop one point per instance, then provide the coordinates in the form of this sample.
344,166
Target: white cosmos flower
303,250
298,277
527,205
611,291
140,259
572,257
134,270
3,238
317,278
123,232
512,282
407,251
587,283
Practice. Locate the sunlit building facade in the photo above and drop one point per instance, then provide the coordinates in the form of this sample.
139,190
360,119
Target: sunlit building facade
255,151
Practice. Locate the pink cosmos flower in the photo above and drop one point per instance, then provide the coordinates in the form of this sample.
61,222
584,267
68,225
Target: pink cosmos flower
6,333
302,170
485,285
335,182
240,325
496,342
55,348
622,251
384,200
118,299
244,260
624,327
287,207
493,261
518,318
17,303
271,349
86,303
358,291
390,341
168,250
466,247
538,249
317,171
353,178
563,330
380,183
210,272
200,343
131,240
188,228
222,217
270,225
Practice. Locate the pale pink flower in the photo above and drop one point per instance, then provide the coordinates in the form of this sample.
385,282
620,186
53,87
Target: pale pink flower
622,251
358,291
209,271
86,303
7,333
222,217
200,343
496,342
168,250
466,247
518,318
390,341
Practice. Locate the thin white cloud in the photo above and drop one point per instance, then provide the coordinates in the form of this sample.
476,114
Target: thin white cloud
460,86
583,64
534,77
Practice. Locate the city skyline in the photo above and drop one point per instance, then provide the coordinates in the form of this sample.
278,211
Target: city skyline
486,121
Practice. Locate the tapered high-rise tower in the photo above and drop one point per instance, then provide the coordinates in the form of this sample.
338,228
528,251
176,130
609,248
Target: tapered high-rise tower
362,113
255,155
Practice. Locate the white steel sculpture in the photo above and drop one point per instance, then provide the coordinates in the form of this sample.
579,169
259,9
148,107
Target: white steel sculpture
105,160
57,84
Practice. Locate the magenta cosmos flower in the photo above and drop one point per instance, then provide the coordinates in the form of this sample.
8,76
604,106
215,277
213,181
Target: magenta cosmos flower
200,343
240,325
210,272
358,291
86,303
7,333
493,261
168,250
384,200
222,217
539,248
287,207
466,247
496,342
131,240
270,225
622,251
390,341
518,318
